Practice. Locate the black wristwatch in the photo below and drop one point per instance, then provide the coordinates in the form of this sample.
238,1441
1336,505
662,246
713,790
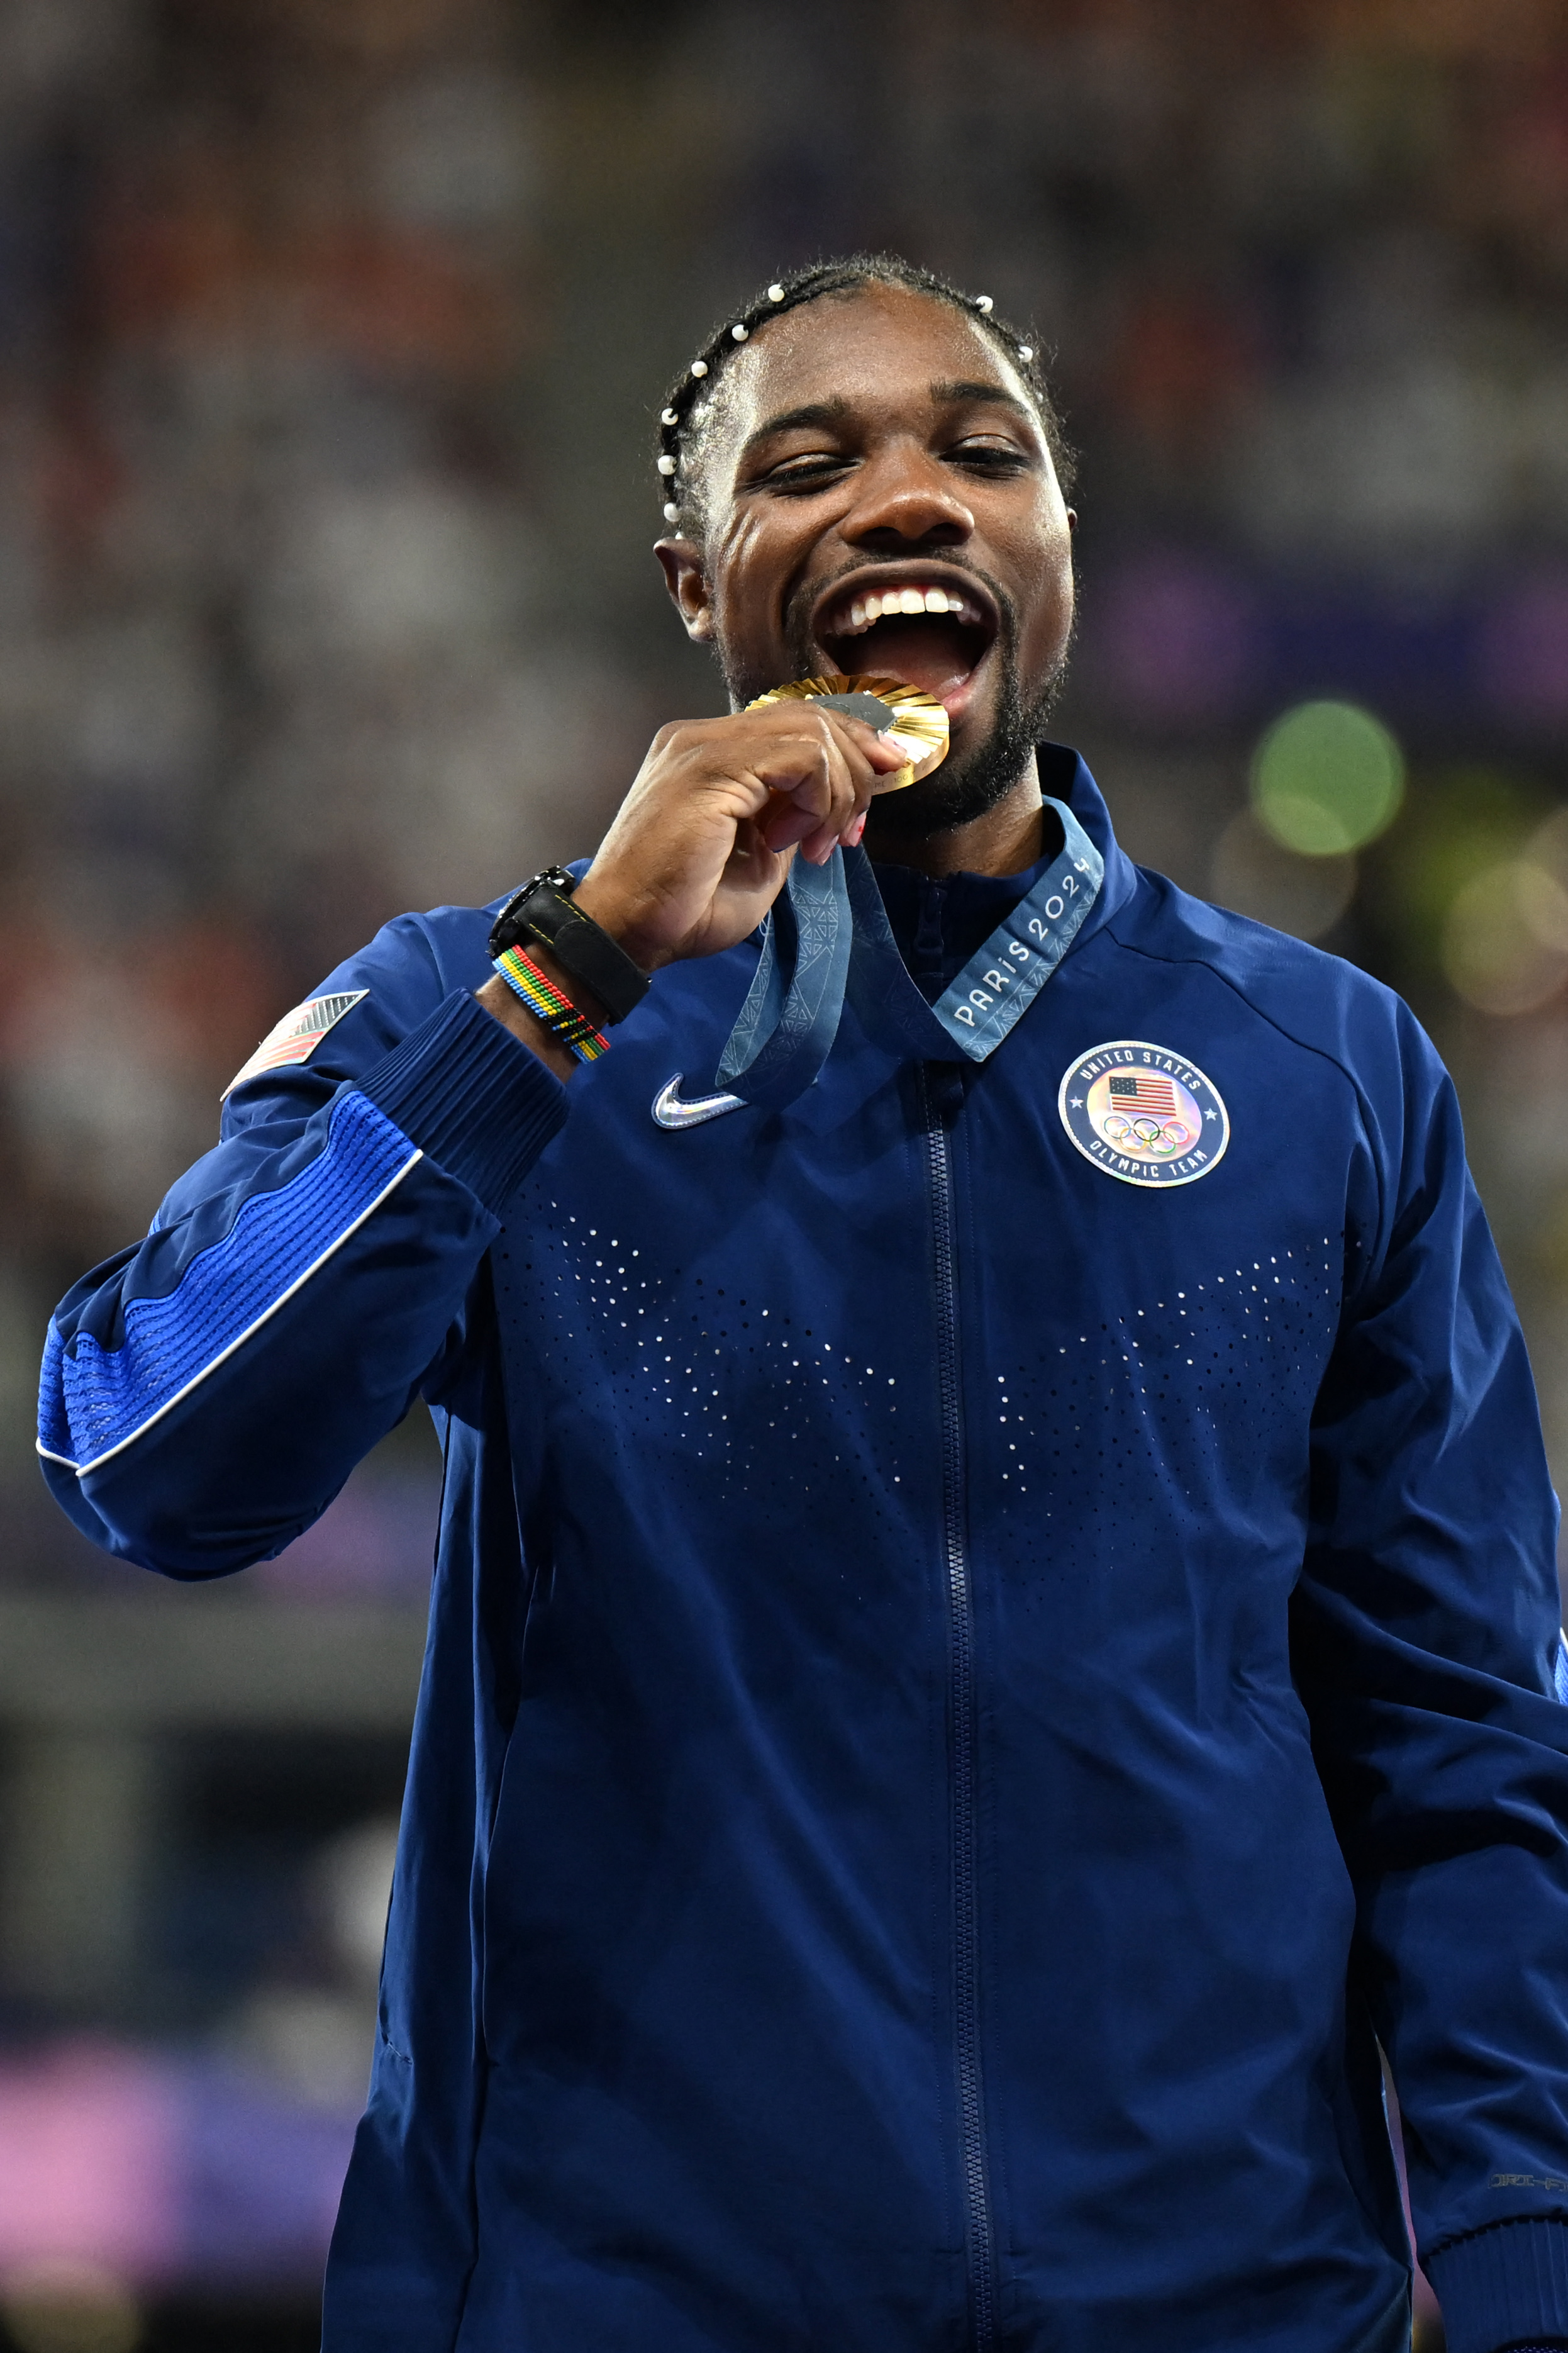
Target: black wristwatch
543,909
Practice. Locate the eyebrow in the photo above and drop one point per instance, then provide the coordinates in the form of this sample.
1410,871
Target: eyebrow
950,394
814,412
954,394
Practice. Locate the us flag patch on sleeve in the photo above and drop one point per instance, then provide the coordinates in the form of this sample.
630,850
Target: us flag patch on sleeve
296,1037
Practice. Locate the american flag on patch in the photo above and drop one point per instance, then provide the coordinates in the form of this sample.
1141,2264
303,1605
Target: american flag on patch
1143,1090
297,1036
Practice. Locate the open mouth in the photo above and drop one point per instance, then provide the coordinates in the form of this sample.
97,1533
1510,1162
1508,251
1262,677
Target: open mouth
933,633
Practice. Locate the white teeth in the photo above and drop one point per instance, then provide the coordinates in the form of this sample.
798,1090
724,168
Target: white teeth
865,611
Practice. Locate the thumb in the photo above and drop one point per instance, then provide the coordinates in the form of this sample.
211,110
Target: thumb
882,753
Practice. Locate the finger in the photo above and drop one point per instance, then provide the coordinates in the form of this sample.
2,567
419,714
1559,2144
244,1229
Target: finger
873,760
819,779
819,804
800,728
788,826
821,762
875,748
784,826
854,777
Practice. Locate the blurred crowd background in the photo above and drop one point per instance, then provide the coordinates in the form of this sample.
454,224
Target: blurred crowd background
332,336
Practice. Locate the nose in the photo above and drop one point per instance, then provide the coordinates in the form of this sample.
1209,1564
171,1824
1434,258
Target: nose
905,496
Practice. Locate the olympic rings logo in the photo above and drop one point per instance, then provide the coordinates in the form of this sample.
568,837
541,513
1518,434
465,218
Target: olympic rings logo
1160,1139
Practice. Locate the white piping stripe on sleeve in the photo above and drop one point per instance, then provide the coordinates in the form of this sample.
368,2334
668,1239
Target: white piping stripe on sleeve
50,1456
81,1469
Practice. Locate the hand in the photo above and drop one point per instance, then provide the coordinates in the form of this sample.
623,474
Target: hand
702,842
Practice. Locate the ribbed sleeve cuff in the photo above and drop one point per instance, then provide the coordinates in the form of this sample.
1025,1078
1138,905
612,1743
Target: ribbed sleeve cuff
1503,2286
471,1096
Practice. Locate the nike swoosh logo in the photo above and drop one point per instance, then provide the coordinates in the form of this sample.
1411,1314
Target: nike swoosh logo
671,1108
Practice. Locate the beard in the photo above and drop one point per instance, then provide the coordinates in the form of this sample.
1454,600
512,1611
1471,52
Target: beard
961,790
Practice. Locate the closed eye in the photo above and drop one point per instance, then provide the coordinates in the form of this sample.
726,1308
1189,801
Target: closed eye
805,472
812,472
991,457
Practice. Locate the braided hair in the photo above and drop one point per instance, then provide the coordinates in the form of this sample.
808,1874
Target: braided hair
690,401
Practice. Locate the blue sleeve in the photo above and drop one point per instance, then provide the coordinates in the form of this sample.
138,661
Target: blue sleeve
205,1394
1427,1646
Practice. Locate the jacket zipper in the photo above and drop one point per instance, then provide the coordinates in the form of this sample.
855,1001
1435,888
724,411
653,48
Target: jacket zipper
978,2234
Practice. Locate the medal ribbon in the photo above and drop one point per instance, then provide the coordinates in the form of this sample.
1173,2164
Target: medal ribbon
828,932
786,1026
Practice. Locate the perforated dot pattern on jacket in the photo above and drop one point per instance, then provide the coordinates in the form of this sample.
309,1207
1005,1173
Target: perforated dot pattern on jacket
735,1389
1136,1418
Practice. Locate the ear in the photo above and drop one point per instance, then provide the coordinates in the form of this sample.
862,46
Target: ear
686,577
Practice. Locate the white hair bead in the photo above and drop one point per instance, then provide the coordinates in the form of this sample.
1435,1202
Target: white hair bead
669,417
698,367
666,464
739,333
1025,353
671,512
983,302
775,293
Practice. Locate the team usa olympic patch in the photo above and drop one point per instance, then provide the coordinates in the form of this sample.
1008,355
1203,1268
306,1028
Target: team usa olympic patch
1144,1115
297,1036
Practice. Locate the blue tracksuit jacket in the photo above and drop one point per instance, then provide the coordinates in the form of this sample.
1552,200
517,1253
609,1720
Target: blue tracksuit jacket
966,1685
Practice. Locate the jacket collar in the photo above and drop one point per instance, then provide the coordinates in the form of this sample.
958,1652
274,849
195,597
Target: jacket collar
827,942
1065,776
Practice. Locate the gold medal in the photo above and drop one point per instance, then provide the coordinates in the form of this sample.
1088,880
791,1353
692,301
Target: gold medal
911,720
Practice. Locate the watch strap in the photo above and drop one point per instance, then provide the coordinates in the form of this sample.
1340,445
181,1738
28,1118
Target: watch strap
543,909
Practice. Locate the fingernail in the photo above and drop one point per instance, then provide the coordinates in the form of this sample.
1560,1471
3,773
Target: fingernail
855,830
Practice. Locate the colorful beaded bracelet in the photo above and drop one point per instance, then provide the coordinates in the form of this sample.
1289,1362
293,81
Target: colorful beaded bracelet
569,1026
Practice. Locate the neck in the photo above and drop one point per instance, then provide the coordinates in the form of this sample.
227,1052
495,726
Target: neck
1004,839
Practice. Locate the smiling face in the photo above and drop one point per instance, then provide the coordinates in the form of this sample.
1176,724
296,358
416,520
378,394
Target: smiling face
878,497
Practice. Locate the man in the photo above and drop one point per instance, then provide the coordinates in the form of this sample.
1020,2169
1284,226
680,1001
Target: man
995,1617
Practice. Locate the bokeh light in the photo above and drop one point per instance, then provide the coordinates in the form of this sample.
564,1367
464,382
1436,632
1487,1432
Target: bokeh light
1326,778
1505,944
1253,874
70,2308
